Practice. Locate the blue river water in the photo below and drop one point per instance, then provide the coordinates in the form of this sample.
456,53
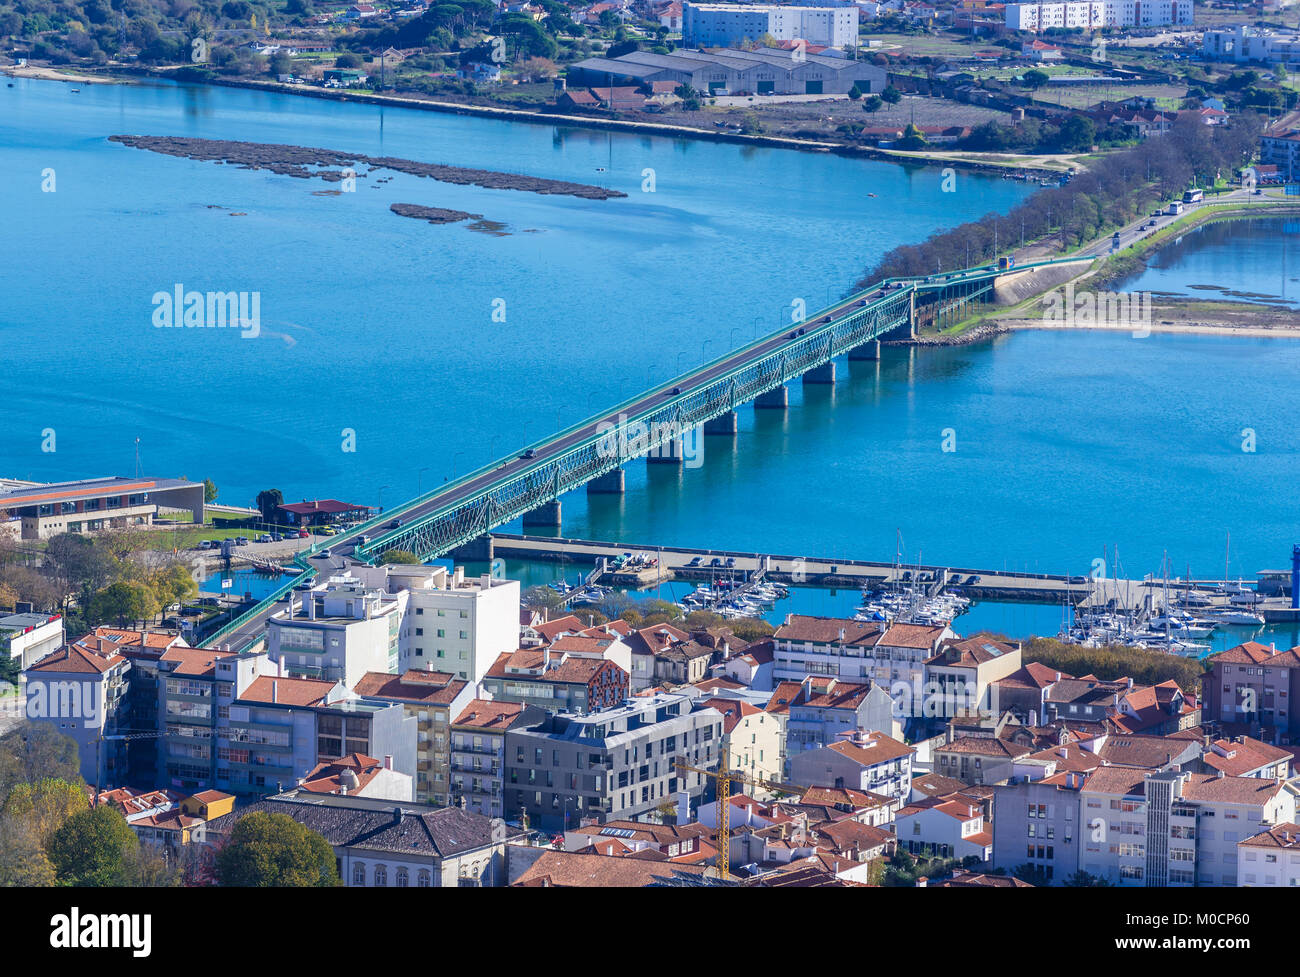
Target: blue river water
378,333
1252,261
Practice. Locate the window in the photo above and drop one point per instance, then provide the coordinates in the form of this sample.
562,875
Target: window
381,875
422,880
359,874
402,877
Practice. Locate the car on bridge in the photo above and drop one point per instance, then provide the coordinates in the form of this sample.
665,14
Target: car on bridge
530,453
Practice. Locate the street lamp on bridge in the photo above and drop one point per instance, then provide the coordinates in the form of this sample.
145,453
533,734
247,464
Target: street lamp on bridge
381,497
419,476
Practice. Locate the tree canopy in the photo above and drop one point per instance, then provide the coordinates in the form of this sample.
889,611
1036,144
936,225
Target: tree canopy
275,850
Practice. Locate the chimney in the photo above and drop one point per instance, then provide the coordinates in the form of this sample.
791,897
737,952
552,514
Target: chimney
275,691
388,761
1130,683
1058,676
546,659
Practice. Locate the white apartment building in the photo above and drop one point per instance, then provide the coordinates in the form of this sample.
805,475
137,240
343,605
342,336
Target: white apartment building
727,24
1174,828
1244,43
338,630
1270,858
450,623
1096,14
952,828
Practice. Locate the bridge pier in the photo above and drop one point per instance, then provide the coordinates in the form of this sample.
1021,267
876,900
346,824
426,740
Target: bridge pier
611,483
728,424
545,516
778,399
867,351
668,453
475,551
821,374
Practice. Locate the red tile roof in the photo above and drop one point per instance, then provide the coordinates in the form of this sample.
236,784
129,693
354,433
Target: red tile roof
489,714
287,691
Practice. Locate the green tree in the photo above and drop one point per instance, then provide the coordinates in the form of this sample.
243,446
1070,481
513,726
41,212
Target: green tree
209,490
751,628
173,584
275,850
46,804
912,138
1034,79
270,500
891,95
342,61
31,751
1078,134
872,104
93,848
22,859
124,602
399,556
855,92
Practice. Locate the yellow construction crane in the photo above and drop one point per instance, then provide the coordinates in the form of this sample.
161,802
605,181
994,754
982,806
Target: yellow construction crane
723,777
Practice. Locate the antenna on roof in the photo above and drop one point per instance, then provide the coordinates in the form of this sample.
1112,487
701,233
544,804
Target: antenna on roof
137,457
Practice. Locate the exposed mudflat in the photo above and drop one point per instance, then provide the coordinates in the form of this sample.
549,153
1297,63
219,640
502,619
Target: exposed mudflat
306,162
434,215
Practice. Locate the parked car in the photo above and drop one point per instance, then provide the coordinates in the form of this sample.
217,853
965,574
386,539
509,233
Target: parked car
716,561
241,540
731,561
204,544
302,534
695,562
264,538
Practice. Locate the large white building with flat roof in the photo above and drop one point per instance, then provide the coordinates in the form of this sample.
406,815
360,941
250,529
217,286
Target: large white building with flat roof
727,24
89,505
450,622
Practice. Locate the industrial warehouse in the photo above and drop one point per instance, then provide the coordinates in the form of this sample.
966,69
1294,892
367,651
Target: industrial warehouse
726,71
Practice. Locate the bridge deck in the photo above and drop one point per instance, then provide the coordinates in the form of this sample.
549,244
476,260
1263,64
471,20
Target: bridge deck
452,514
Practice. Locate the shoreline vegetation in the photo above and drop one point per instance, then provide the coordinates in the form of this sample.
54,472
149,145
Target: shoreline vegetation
295,161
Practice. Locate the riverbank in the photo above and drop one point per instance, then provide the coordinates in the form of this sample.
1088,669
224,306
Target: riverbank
1169,314
55,74
1017,163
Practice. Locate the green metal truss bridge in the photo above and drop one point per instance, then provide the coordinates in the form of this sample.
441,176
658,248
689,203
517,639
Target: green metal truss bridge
466,509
